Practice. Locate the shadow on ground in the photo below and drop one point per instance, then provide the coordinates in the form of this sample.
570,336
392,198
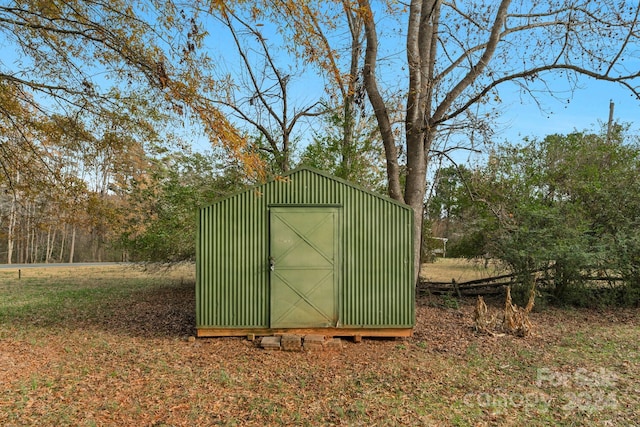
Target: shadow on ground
161,312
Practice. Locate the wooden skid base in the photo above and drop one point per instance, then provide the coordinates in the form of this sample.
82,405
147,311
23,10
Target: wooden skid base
328,332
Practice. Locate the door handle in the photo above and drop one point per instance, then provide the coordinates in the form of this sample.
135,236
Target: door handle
272,263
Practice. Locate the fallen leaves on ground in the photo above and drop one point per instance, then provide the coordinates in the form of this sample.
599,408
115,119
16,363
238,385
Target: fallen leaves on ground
131,364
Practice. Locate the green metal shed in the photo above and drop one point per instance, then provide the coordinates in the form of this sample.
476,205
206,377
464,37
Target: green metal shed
305,253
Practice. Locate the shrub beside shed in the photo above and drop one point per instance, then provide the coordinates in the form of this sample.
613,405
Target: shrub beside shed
305,253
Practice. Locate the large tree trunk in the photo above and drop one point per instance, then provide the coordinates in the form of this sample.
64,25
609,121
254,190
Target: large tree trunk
423,116
415,189
417,139
378,104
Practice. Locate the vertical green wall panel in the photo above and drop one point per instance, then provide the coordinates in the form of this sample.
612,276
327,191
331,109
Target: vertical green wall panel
377,286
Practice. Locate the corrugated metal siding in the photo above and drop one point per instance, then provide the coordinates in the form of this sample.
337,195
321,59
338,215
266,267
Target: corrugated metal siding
377,275
378,262
233,276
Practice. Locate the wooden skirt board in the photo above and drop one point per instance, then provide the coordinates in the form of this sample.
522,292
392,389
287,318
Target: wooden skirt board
328,332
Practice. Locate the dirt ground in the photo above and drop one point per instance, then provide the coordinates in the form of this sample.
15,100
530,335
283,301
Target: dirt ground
130,361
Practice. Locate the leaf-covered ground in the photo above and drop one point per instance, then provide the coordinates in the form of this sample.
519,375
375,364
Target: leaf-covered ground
116,352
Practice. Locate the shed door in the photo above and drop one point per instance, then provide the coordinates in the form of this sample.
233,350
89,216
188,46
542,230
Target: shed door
305,264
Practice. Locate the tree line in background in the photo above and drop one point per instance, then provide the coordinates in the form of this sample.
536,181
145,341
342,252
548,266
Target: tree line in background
135,206
100,101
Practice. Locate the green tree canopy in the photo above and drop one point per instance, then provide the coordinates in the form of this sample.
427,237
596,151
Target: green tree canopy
569,203
161,205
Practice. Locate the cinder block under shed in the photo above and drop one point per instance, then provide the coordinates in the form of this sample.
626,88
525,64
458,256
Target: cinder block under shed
314,342
292,342
270,343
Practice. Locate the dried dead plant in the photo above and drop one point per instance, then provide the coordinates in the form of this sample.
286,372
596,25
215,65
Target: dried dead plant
516,319
482,321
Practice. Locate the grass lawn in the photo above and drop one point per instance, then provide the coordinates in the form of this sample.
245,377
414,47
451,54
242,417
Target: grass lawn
458,269
110,346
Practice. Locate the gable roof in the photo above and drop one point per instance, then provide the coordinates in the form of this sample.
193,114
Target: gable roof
298,170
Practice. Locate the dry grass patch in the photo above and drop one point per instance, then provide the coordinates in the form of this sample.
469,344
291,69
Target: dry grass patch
80,272
458,269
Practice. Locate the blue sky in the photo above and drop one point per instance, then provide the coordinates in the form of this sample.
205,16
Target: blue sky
588,107
584,109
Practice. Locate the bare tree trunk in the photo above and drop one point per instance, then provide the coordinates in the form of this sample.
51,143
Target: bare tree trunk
414,193
355,28
35,245
51,239
11,229
19,254
19,241
73,244
48,245
27,233
63,239
377,101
